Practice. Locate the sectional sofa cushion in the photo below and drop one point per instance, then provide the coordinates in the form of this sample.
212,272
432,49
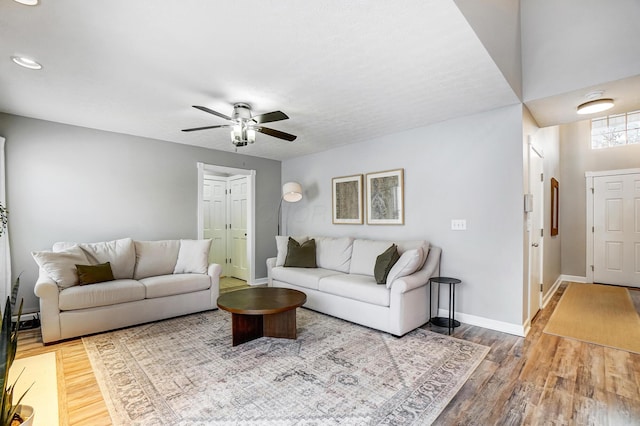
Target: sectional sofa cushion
102,294
357,287
364,255
303,277
410,261
282,242
193,257
92,274
61,265
120,253
169,285
334,253
155,258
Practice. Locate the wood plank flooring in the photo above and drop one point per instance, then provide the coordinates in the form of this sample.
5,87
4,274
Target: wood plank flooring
537,380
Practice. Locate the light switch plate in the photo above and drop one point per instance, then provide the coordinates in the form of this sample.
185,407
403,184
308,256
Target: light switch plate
458,224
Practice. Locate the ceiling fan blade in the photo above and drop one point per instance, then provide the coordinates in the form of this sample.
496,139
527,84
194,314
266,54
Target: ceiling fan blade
210,111
205,128
276,133
270,117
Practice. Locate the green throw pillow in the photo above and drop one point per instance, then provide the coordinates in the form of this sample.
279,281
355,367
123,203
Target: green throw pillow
384,262
91,274
301,255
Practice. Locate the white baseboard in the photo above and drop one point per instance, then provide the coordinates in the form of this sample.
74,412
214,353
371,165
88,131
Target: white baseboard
260,281
547,297
573,278
504,327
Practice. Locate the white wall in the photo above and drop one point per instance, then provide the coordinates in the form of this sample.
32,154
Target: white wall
497,25
577,157
560,37
467,168
67,183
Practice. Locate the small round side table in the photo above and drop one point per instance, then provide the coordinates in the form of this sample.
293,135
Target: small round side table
450,322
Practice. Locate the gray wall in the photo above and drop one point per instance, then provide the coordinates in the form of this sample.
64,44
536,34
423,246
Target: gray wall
576,158
67,183
554,53
467,168
497,25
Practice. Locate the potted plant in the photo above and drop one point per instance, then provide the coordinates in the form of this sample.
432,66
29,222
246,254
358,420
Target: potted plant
10,414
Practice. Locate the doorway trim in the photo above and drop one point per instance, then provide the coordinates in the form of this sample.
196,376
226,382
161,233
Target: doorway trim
251,202
590,199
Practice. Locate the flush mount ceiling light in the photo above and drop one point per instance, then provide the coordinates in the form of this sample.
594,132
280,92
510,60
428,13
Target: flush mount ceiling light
594,104
27,2
26,62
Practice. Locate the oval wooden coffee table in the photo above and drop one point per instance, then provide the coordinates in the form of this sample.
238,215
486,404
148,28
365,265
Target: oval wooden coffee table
262,311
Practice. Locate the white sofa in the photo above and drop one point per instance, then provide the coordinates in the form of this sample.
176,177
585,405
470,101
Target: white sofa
343,284
153,280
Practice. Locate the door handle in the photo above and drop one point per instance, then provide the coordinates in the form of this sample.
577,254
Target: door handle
534,244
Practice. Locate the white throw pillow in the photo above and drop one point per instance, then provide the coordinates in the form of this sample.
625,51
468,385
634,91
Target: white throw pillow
120,253
282,242
61,265
193,257
408,263
155,258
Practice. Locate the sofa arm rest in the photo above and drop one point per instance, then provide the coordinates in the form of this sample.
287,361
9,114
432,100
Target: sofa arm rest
46,288
214,270
421,277
271,263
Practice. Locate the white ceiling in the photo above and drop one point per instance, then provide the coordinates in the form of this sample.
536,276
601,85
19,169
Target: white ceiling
344,72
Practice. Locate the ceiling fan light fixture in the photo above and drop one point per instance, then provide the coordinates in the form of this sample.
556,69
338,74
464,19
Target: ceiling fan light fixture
597,105
25,62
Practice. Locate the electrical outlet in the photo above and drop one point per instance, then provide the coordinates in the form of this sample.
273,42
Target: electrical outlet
458,224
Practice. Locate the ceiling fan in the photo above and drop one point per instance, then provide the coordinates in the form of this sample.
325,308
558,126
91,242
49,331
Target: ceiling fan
244,125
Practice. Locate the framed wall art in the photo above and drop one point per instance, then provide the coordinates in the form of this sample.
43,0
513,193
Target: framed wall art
347,200
385,197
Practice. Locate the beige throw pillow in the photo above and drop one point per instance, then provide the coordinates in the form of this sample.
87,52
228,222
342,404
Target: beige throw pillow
193,257
61,265
155,258
408,263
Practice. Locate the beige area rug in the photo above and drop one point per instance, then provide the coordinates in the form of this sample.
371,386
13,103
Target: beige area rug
600,314
39,370
184,371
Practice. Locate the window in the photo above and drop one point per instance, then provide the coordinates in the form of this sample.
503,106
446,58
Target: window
615,130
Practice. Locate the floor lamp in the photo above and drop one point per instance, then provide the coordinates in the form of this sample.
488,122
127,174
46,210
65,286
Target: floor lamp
291,193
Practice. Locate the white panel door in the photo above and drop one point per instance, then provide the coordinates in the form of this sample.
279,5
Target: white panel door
616,230
215,214
536,219
238,222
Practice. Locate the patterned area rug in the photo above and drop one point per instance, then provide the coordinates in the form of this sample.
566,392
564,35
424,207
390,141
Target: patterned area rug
184,371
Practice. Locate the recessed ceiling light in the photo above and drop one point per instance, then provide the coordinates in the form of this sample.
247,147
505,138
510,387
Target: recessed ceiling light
28,2
26,62
597,105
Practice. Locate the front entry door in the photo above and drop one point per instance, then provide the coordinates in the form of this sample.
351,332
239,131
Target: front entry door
616,229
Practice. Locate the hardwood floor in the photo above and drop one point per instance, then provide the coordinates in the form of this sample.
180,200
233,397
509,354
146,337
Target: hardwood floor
537,380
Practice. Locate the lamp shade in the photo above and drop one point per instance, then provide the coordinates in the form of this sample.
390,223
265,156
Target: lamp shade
292,192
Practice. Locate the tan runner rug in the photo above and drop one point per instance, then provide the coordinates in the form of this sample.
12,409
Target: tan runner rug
39,370
600,314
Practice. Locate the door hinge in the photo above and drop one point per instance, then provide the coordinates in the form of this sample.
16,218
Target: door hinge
540,287
542,232
592,191
541,177
591,268
593,229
